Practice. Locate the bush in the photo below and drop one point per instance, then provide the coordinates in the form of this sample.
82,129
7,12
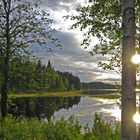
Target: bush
102,130
22,128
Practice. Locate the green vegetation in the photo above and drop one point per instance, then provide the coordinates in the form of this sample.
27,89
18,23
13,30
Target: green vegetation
33,129
32,76
65,94
101,19
19,30
48,94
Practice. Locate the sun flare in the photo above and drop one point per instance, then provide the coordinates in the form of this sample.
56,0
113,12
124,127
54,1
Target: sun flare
136,118
136,59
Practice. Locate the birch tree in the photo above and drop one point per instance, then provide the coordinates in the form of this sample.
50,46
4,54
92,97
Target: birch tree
128,70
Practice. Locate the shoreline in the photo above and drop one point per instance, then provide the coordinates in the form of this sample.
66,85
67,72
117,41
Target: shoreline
66,94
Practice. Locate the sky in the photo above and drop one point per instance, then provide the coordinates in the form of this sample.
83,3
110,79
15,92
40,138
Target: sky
73,57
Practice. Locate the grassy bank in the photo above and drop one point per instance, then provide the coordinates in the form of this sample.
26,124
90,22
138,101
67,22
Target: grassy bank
32,129
48,94
65,94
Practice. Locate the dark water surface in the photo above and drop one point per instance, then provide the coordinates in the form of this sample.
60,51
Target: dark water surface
41,107
82,108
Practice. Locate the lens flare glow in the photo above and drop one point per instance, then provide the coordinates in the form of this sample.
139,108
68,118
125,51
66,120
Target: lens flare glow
136,118
136,59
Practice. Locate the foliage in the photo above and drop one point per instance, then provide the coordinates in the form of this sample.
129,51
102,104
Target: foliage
63,130
33,129
32,76
103,131
22,23
47,94
70,81
102,19
27,24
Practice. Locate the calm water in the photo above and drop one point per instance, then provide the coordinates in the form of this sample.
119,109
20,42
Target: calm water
82,108
85,110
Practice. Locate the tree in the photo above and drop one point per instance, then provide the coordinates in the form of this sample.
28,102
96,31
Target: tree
22,23
49,66
23,75
39,75
61,84
102,19
128,71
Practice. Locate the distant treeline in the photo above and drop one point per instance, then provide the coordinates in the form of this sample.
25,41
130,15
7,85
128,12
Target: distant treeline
31,76
97,85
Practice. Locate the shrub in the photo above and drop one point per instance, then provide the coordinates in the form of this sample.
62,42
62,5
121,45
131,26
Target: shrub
102,130
22,128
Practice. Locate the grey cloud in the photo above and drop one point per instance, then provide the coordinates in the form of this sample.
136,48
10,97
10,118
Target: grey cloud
72,48
65,59
111,80
81,72
71,58
87,77
85,74
56,4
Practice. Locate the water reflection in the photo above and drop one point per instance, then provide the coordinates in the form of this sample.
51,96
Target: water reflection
82,108
41,107
115,110
88,106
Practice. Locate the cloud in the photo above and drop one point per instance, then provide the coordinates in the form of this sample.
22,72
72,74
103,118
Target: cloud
72,57
57,5
75,59
109,77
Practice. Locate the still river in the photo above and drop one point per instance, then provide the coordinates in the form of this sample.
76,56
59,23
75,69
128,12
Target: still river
82,108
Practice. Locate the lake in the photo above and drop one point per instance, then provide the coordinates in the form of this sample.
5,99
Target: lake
82,108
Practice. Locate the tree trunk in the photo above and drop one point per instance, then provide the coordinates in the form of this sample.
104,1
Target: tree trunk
4,89
6,57
128,127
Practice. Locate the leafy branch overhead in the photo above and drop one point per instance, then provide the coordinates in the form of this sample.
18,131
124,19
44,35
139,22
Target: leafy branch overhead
27,24
102,19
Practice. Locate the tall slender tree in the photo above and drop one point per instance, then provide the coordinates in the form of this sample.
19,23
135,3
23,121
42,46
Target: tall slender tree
49,66
22,22
128,70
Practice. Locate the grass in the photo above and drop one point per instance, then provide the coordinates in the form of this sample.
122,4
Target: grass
48,94
65,94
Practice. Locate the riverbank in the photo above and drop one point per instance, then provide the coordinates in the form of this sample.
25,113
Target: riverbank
65,94
48,94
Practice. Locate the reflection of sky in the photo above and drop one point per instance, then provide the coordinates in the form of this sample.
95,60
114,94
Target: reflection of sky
88,106
115,112
73,57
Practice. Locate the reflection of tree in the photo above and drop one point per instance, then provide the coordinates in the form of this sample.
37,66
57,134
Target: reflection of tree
42,107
